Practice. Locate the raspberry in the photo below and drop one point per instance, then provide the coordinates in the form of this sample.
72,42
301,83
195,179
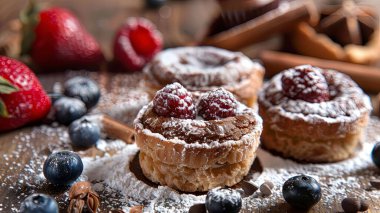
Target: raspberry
136,42
174,101
217,104
306,83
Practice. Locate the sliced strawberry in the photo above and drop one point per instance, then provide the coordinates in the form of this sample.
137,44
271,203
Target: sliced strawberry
135,44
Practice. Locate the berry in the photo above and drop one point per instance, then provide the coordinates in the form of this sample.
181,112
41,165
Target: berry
375,154
174,101
83,88
84,133
59,41
223,200
62,168
68,110
39,203
135,43
217,104
22,98
306,83
301,192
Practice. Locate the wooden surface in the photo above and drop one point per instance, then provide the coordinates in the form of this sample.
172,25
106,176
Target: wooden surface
181,23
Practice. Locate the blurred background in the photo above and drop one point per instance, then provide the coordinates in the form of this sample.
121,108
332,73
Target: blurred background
181,21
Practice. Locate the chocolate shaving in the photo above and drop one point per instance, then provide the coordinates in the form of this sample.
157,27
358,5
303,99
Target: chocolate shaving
81,194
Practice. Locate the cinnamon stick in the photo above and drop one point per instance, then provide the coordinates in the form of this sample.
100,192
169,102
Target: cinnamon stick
258,29
368,77
116,129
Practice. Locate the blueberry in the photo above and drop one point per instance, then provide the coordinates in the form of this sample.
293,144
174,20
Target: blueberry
223,200
63,168
39,203
68,109
84,133
301,192
376,154
84,89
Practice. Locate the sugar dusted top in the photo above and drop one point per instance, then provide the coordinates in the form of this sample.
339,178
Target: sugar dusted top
200,67
347,101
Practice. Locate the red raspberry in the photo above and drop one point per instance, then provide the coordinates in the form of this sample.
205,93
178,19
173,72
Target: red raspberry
217,104
306,83
174,101
136,42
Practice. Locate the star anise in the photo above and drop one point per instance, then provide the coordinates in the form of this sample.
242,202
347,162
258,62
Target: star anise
348,23
81,194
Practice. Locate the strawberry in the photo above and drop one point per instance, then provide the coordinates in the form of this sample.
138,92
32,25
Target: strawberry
22,98
56,40
135,43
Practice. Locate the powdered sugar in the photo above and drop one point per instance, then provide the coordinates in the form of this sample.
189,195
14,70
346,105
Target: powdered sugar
349,104
200,67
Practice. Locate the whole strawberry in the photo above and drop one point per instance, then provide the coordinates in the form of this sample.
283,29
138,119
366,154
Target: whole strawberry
56,40
22,98
135,44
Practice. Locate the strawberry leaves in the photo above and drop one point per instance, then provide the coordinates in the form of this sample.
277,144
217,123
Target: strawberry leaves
29,18
6,87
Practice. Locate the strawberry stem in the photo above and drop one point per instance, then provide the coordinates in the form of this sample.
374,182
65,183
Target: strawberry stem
7,87
29,18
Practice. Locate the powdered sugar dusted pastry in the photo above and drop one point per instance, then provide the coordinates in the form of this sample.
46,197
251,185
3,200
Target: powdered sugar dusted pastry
188,152
312,114
206,68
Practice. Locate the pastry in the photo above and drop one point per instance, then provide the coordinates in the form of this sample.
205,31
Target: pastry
202,69
196,153
346,32
313,115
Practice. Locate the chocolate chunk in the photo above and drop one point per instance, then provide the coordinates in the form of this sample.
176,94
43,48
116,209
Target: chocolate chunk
198,208
354,205
375,183
266,188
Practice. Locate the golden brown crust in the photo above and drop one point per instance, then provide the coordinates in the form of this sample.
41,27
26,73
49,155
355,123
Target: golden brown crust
196,155
308,142
191,180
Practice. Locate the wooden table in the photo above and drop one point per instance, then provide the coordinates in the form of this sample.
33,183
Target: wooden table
23,150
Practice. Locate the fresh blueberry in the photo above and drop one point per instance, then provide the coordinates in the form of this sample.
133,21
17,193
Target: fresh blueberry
223,200
84,89
154,3
68,110
376,154
63,168
39,203
301,192
84,133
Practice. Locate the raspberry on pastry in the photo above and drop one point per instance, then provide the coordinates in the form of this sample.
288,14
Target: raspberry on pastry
217,104
174,101
202,69
312,114
197,154
305,83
